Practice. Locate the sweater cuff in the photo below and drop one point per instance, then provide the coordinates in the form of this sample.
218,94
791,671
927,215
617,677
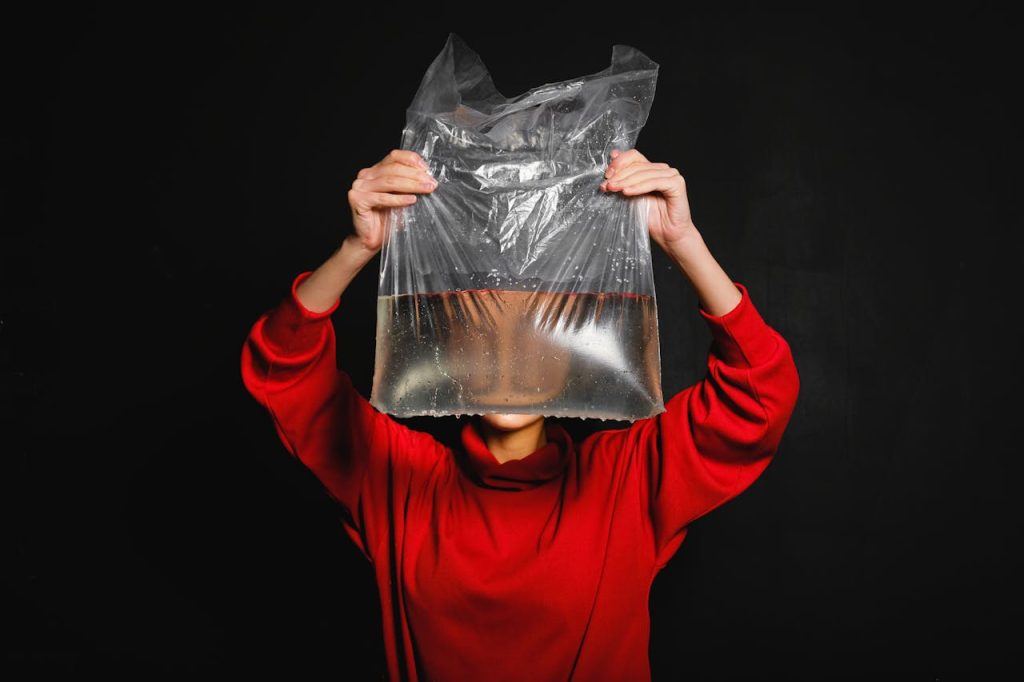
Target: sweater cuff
305,312
741,336
292,325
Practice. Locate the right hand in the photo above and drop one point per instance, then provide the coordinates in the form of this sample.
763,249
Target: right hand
395,180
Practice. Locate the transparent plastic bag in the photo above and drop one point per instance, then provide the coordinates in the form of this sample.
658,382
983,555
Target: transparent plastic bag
517,285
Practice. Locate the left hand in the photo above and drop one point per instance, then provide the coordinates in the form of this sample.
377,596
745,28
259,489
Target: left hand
632,174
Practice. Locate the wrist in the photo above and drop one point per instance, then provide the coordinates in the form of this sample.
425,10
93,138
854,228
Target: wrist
357,251
686,248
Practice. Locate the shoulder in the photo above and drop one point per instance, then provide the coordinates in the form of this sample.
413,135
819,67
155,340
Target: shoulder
612,441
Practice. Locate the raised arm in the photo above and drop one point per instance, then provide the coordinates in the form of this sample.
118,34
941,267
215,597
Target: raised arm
392,182
717,436
289,359
671,225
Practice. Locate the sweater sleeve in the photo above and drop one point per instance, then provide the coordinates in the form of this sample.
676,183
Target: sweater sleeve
717,436
289,365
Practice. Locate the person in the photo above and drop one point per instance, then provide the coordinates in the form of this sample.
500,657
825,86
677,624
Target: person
518,553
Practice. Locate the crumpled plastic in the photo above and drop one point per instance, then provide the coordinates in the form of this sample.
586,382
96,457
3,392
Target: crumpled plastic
517,285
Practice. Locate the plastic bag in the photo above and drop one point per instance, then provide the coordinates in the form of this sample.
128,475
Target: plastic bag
517,285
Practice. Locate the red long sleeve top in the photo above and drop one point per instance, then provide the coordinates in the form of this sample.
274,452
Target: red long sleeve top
539,568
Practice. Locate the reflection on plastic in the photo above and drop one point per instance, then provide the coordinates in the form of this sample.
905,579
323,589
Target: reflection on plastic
557,354
517,286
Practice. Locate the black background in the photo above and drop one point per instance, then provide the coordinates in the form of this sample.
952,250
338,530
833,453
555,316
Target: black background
167,172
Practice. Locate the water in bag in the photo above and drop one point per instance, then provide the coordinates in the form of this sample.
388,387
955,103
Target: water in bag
509,351
517,286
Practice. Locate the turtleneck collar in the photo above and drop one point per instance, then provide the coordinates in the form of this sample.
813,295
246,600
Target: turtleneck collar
540,466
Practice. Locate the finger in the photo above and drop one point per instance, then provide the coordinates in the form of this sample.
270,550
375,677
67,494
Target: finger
669,183
405,156
634,175
623,159
394,183
393,169
621,175
365,201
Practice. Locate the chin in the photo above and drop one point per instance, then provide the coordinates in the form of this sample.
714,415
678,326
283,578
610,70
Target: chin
510,422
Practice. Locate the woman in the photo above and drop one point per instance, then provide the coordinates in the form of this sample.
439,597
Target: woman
522,555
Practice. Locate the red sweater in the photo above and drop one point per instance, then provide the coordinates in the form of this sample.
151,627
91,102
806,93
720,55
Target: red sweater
539,568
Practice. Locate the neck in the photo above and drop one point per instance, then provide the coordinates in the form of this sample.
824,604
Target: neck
514,443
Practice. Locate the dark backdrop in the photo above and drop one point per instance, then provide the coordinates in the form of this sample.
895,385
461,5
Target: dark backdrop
168,172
